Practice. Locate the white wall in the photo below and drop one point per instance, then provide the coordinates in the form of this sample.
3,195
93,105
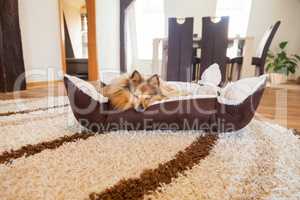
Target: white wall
39,21
40,27
191,8
266,12
108,34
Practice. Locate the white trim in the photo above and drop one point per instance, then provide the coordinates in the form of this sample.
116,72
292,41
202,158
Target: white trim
87,89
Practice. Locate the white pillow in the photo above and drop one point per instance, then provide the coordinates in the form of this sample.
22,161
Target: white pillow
235,93
211,76
209,88
87,88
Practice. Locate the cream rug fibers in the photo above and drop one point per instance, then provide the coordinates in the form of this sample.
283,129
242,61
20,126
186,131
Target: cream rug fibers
44,155
8,107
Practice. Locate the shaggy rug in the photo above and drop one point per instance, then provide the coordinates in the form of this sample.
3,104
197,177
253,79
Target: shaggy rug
44,154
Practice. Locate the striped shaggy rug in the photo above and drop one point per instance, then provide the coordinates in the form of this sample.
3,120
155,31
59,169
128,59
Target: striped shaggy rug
44,154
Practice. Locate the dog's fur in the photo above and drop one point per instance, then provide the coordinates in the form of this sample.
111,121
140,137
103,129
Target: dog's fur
136,92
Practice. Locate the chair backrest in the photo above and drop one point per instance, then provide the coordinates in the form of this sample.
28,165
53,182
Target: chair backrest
180,50
264,46
214,44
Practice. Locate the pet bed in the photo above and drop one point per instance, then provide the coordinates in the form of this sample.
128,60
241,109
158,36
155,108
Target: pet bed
208,108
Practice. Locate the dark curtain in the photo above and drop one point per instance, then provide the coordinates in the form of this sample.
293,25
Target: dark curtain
123,6
12,76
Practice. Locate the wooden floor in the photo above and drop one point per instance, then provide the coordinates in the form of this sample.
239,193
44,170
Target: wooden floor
44,90
280,104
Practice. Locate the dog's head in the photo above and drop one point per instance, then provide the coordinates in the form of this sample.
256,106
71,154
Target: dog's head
146,93
135,80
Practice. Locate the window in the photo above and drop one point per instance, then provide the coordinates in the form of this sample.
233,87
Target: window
144,22
239,12
150,19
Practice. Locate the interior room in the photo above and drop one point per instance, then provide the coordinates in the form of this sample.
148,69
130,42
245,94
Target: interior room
149,99
75,31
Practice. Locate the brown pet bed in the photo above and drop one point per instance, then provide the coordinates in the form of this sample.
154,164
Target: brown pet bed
230,109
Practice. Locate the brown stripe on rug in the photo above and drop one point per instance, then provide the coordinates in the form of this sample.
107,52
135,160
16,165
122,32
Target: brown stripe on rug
32,110
150,180
30,150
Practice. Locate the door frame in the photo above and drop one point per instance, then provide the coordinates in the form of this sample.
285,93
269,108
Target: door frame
92,40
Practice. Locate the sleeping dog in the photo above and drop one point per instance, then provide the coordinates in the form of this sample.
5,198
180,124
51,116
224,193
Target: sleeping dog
134,91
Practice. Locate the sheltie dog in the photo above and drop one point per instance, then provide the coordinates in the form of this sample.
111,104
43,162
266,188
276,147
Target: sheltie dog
134,91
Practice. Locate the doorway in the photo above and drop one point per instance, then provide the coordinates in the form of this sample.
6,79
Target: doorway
78,38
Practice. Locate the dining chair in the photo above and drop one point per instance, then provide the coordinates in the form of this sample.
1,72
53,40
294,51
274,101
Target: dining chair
180,49
214,44
259,60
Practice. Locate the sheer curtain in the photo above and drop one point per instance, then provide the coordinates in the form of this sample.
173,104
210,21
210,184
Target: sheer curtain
144,22
131,38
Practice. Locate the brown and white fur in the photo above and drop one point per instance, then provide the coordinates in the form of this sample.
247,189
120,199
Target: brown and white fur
136,92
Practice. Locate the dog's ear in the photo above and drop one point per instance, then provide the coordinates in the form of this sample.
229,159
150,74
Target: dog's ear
154,80
136,77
